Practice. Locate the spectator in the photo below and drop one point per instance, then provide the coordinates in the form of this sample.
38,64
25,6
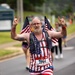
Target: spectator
65,36
58,29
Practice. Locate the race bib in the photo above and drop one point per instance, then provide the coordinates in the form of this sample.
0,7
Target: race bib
42,62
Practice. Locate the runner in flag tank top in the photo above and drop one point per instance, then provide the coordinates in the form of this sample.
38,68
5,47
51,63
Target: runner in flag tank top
41,57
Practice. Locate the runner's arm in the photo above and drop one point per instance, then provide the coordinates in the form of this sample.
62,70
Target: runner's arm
19,37
57,34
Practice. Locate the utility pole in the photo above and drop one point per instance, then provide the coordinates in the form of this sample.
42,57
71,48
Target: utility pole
44,8
20,11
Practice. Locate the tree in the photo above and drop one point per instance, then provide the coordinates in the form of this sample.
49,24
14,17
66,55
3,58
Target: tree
28,4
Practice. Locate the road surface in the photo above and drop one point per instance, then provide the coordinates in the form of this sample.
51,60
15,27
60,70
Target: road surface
65,66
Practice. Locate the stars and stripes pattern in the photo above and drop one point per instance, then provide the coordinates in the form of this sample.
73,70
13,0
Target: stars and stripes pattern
35,65
54,40
45,72
46,54
26,27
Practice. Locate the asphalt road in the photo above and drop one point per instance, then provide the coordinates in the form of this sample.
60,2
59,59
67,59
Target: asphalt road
65,66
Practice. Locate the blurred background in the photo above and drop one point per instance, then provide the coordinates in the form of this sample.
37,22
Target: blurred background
56,8
52,9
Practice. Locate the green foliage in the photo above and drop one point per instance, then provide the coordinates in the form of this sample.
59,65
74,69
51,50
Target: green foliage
69,9
28,4
71,29
37,2
26,13
5,37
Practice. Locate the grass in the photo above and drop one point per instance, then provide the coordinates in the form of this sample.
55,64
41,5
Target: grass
17,45
71,29
7,52
5,36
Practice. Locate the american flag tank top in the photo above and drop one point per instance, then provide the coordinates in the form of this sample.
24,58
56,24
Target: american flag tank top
40,62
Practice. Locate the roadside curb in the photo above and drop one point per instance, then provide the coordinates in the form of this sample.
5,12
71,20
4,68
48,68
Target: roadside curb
20,52
70,36
9,44
10,56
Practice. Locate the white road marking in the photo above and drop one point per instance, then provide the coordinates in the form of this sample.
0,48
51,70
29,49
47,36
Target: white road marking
68,48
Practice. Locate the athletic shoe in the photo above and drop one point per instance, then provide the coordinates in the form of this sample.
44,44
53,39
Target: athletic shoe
61,55
27,68
56,57
65,45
